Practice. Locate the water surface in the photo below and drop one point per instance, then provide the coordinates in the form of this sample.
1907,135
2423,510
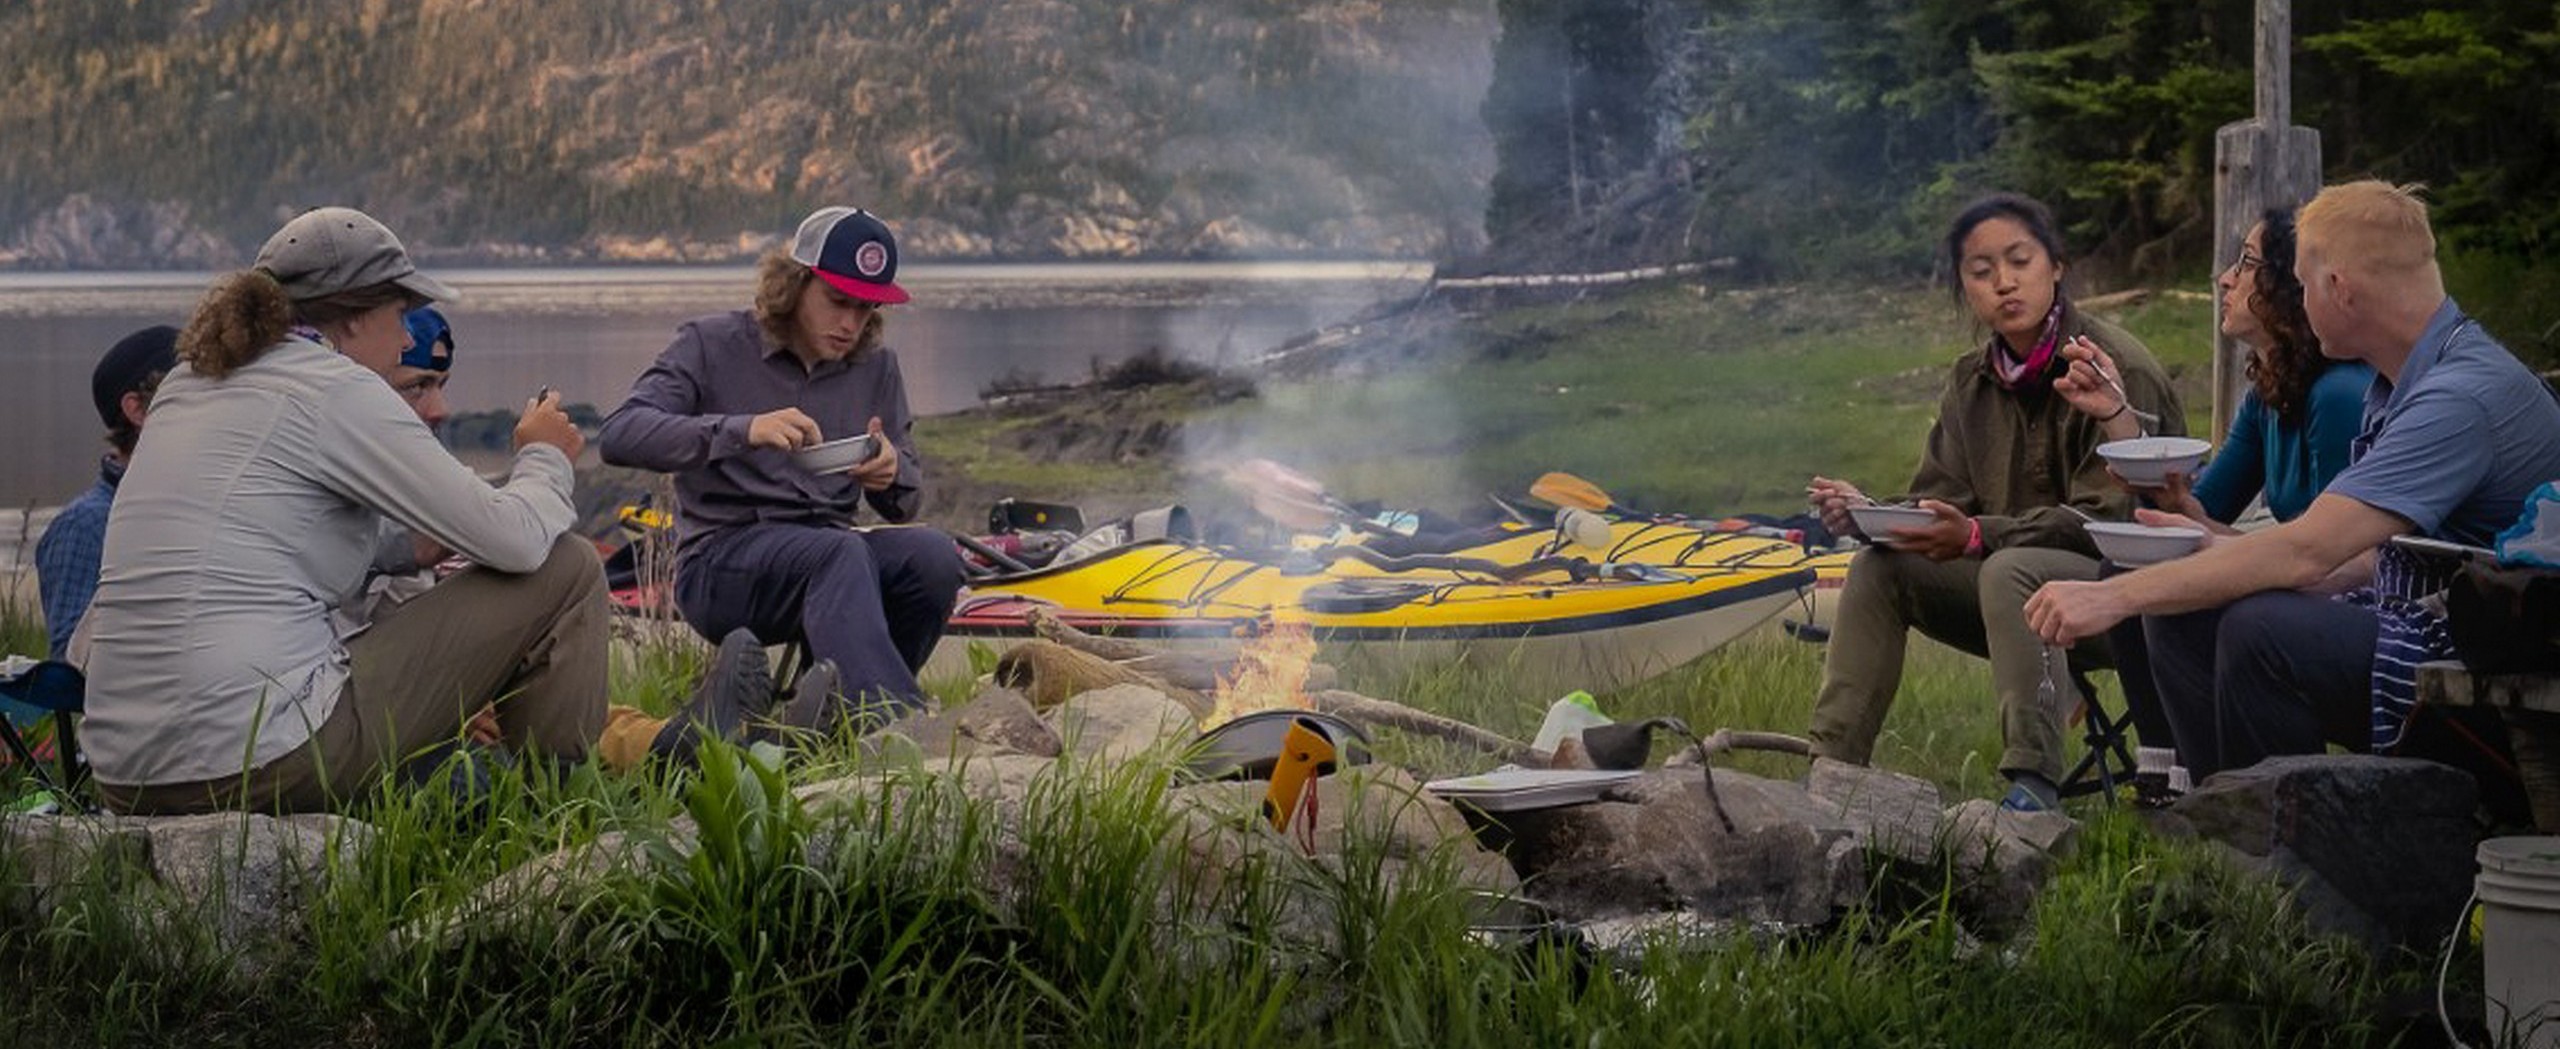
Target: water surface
590,331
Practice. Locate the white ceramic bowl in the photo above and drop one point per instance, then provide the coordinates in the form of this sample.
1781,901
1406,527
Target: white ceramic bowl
2133,545
843,453
1878,522
2148,461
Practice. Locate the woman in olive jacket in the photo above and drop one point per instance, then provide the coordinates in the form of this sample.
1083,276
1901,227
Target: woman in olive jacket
2006,460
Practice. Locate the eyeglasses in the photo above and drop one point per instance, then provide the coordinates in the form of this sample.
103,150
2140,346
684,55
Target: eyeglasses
2248,263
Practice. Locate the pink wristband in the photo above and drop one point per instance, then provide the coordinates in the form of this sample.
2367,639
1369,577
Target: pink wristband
1973,537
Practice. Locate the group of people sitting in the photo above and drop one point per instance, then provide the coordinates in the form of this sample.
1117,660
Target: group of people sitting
2376,409
261,636
250,585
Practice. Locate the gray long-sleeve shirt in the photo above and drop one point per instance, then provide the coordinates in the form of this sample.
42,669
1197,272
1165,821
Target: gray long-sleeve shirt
252,509
688,415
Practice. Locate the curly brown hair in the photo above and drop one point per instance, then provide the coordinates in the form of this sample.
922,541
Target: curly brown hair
780,281
242,315
246,313
2283,370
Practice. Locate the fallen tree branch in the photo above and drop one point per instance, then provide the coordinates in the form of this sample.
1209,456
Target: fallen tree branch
1725,739
1048,625
1198,671
1379,713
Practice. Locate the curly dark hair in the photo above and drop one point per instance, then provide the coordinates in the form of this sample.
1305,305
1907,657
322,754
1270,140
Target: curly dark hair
2283,370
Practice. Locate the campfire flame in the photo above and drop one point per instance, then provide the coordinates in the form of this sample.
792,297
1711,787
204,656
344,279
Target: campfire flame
1271,674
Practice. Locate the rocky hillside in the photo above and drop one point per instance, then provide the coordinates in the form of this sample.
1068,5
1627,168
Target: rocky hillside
177,134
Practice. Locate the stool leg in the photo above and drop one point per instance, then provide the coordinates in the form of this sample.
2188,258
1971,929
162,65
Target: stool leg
2535,735
66,747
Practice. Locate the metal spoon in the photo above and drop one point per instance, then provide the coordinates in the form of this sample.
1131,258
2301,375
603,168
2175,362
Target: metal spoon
2148,420
2048,694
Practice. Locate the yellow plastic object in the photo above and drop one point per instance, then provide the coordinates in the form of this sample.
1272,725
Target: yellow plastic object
640,520
1305,753
1546,628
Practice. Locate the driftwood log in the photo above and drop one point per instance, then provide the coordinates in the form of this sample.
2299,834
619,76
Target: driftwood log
1379,713
1197,671
1047,673
1186,676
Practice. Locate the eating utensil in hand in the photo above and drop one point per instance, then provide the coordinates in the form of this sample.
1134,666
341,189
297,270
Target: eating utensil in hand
2149,421
2048,693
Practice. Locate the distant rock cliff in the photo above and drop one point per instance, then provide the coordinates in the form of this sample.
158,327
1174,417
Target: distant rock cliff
160,135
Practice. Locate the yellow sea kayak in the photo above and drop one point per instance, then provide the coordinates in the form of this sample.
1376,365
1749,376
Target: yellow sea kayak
1689,546
1543,627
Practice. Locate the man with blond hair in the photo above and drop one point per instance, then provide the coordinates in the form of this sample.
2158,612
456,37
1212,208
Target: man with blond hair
2300,635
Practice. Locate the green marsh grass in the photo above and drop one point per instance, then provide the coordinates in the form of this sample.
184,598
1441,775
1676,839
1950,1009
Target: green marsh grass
892,934
1670,398
910,914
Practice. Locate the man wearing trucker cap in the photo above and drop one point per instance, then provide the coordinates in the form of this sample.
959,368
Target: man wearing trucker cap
764,542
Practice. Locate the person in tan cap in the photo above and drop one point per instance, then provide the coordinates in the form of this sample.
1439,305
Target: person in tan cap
216,679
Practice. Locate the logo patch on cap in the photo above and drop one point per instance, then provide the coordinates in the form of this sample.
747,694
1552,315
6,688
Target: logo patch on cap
870,259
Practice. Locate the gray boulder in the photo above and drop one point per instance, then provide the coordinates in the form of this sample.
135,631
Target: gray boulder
1122,722
1895,814
2377,849
996,717
2002,859
48,857
1657,844
246,879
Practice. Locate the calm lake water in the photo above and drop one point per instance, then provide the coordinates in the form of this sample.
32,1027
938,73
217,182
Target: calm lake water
590,332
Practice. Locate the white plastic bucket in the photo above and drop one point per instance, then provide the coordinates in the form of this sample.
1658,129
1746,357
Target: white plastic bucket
2520,939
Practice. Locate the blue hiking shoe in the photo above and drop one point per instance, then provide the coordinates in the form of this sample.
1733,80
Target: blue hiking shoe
2024,796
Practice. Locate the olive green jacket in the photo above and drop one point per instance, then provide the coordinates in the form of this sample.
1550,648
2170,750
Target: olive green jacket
2008,458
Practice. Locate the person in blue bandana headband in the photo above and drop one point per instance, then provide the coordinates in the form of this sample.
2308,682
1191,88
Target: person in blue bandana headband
420,376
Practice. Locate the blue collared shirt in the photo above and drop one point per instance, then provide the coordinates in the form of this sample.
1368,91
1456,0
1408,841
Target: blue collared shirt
688,415
2457,444
67,556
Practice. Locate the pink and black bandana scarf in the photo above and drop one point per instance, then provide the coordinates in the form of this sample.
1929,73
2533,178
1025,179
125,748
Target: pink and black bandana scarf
2013,373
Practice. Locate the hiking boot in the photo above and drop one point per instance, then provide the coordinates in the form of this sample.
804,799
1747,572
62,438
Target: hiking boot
2029,792
738,686
814,704
2151,790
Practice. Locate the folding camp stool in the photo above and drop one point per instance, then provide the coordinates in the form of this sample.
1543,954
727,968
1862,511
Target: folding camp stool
795,661
59,690
2109,761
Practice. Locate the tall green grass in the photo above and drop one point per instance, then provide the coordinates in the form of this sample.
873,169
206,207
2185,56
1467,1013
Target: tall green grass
720,908
723,910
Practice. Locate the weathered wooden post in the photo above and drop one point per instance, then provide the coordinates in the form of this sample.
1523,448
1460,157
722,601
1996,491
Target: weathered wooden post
2257,163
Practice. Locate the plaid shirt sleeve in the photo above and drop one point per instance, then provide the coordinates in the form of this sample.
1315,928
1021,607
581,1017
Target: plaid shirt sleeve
67,564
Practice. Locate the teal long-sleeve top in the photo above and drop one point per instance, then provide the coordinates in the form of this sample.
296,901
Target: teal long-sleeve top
2290,463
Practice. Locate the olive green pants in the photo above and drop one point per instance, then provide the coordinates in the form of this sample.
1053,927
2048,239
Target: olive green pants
532,645
1975,605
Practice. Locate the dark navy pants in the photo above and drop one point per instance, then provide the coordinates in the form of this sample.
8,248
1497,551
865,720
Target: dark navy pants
2278,672
2133,671
873,601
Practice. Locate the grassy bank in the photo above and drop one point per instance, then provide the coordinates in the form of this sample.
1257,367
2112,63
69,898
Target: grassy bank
896,940
1670,398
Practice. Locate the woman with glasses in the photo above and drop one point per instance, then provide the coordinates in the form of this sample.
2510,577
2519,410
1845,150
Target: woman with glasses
2289,437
